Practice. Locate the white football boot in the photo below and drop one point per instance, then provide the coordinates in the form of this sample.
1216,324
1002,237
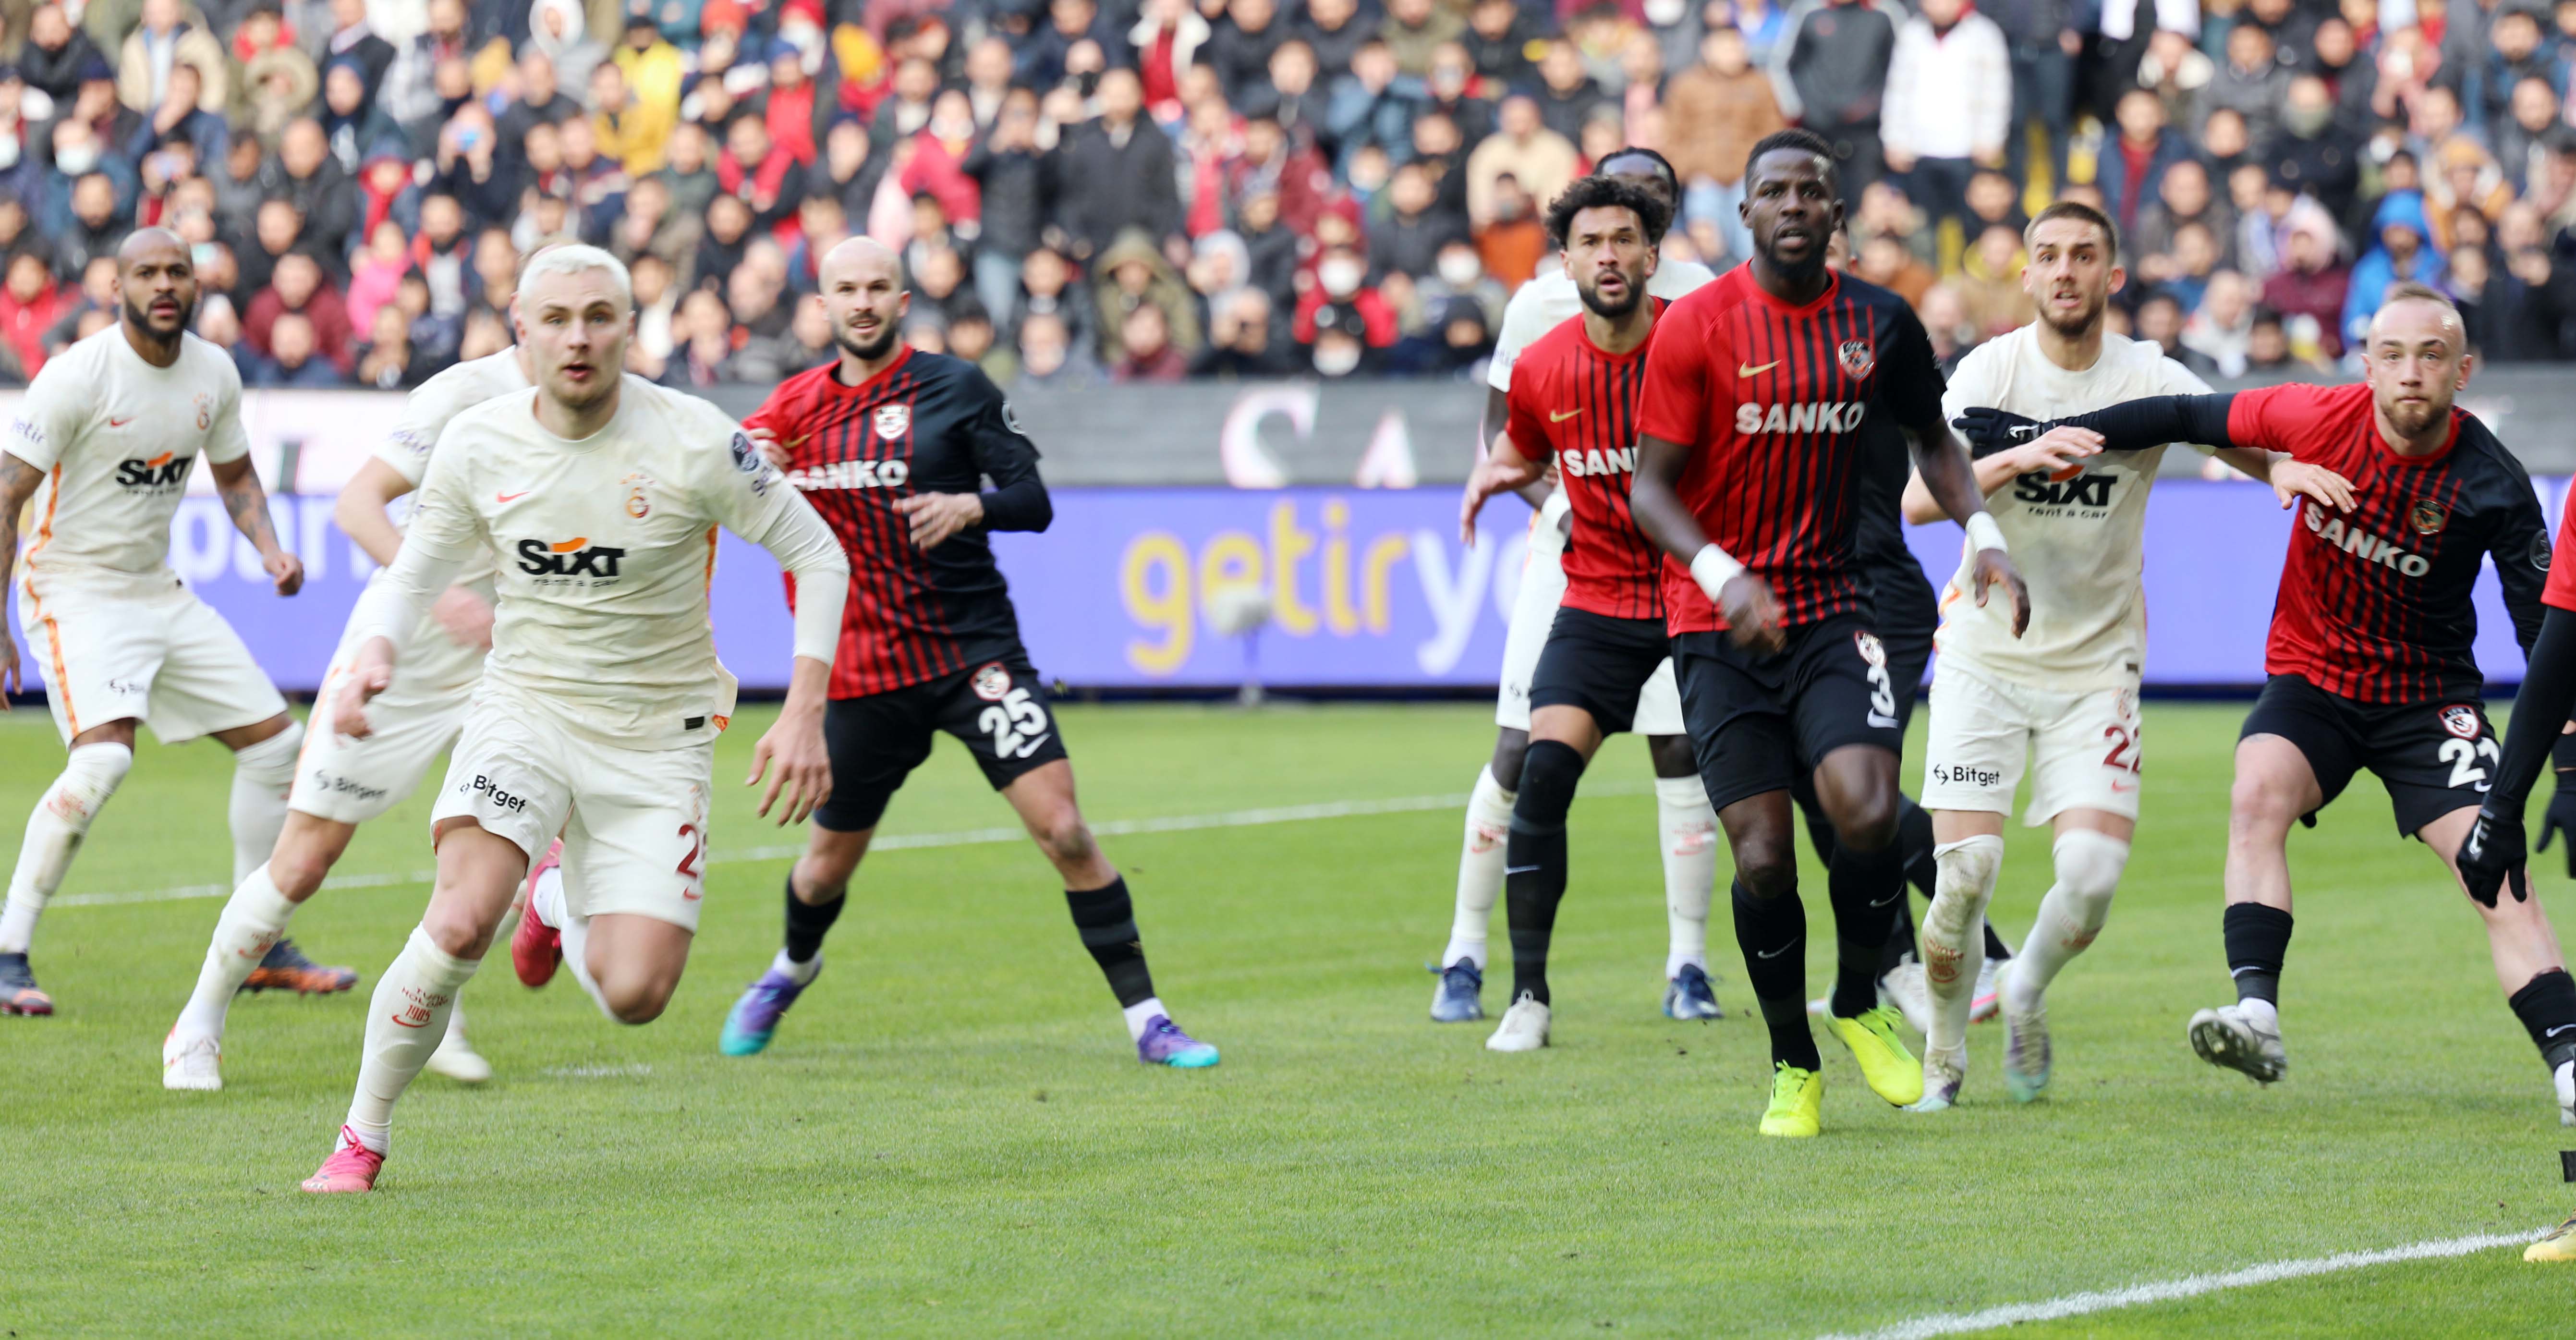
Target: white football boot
1524,1027
456,1057
194,1061
2228,1037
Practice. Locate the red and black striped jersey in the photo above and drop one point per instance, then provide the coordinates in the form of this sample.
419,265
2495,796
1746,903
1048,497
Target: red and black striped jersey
1769,398
927,424
1577,406
2374,603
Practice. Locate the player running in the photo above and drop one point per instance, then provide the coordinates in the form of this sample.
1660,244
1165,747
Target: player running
341,783
599,495
1573,406
893,446
1686,826
1755,391
2062,697
2369,662
103,443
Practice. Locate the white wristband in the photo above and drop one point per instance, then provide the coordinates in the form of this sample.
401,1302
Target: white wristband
1983,533
1713,568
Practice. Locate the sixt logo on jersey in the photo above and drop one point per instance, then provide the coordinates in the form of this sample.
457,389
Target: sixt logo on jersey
851,475
1579,463
160,472
1806,416
2041,489
576,557
2365,546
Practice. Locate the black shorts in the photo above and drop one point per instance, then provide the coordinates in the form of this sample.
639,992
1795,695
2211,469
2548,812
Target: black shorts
1599,664
2434,757
997,710
1760,723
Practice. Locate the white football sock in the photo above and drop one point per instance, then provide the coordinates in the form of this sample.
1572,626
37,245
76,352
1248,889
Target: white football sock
1687,828
262,775
548,901
54,831
1480,869
802,974
1954,935
576,956
256,915
405,1023
1142,1013
2072,913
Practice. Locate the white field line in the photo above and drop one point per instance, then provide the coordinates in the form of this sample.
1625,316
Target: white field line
2190,1286
972,837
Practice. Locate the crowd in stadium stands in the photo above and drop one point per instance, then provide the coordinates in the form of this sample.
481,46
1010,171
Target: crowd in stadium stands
1098,191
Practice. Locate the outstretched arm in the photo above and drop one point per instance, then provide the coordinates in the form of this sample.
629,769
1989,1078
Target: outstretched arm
1941,468
238,485
2132,425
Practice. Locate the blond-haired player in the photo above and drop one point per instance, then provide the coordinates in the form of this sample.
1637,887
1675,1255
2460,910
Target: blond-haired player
599,496
102,445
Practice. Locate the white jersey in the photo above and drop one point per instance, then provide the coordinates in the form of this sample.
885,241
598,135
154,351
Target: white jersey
2077,538
115,438
606,548
1546,301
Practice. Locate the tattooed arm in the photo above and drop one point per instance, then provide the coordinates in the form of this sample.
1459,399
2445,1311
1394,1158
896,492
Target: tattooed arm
238,485
18,481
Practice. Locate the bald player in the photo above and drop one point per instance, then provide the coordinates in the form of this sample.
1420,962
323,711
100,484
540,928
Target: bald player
914,459
102,444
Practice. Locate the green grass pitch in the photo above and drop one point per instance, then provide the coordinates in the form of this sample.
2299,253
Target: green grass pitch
951,1135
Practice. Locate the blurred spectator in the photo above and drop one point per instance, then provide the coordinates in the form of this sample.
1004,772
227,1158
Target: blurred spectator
350,33
559,31
377,272
1341,286
540,100
1336,342
1567,94
164,41
971,337
276,86
1455,341
349,122
91,226
1409,236
1373,106
1243,341
1167,37
1715,112
1133,274
1116,173
386,360
2314,152
30,302
2467,182
1831,73
686,171
1947,325
442,253
1948,99
810,327
1275,163
2160,322
2404,252
1010,180
1145,350
2133,164
703,334
55,57
763,346
1050,357
1499,36
2183,197
313,181
2311,283
1414,29
1239,48
1458,272
1540,162
1989,283
1333,31
2249,81
649,226
2218,331
650,73
1513,239
2267,347
1885,261
298,287
294,358
657,306
2522,139
409,89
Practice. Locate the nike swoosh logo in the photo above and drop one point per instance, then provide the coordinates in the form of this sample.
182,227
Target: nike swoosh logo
1521,869
2558,1030
1750,370
511,497
1889,898
2118,787
688,897
119,423
1776,952
1554,417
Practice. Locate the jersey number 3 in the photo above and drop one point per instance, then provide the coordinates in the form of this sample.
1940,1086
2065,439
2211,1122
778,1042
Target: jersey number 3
1017,724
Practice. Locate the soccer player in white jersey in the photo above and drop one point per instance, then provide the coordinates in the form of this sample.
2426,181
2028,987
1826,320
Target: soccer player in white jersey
599,496
1687,827
103,443
2062,697
341,783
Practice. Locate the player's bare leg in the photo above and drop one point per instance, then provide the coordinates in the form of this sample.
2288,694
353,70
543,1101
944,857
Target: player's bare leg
1686,833
2528,963
1102,912
99,759
478,873
1481,858
2274,787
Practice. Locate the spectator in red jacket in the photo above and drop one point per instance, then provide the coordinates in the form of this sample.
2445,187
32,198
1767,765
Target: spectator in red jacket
1341,280
29,304
298,286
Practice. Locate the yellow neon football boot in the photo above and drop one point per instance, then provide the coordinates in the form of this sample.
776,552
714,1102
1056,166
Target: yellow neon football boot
1891,1070
2560,1245
1797,1102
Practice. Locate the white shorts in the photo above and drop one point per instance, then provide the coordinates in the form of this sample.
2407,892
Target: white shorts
2083,748
634,821
352,781
164,658
1659,705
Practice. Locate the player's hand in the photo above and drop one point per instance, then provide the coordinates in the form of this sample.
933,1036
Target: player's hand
367,676
465,617
936,516
804,766
2293,480
2055,450
11,677
1990,430
1994,565
2561,818
1752,613
771,449
1494,474
286,570
2493,856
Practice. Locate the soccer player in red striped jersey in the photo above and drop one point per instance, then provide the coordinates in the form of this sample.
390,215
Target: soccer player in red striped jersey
893,448
1573,402
1750,477
2369,664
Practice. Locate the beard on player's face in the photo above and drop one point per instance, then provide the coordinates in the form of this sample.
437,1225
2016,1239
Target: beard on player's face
1631,291
165,324
2079,321
868,351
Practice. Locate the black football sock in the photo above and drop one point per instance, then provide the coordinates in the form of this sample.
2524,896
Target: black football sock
1914,846
1995,943
1534,860
2547,1007
1900,941
1866,889
1107,921
2258,940
807,923
1772,932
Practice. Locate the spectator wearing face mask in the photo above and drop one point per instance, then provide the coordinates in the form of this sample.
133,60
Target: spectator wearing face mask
1458,273
1050,357
1341,283
1336,342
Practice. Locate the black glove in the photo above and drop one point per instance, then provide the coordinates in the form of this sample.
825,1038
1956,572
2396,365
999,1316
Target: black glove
1991,430
2493,855
2561,818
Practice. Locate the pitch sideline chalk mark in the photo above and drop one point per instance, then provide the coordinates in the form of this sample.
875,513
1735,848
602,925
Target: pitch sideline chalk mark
2189,1286
971,837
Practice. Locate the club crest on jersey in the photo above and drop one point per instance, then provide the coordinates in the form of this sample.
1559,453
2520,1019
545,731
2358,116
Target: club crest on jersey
1857,357
1871,650
2540,551
205,412
2460,720
2427,517
893,421
992,683
637,505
